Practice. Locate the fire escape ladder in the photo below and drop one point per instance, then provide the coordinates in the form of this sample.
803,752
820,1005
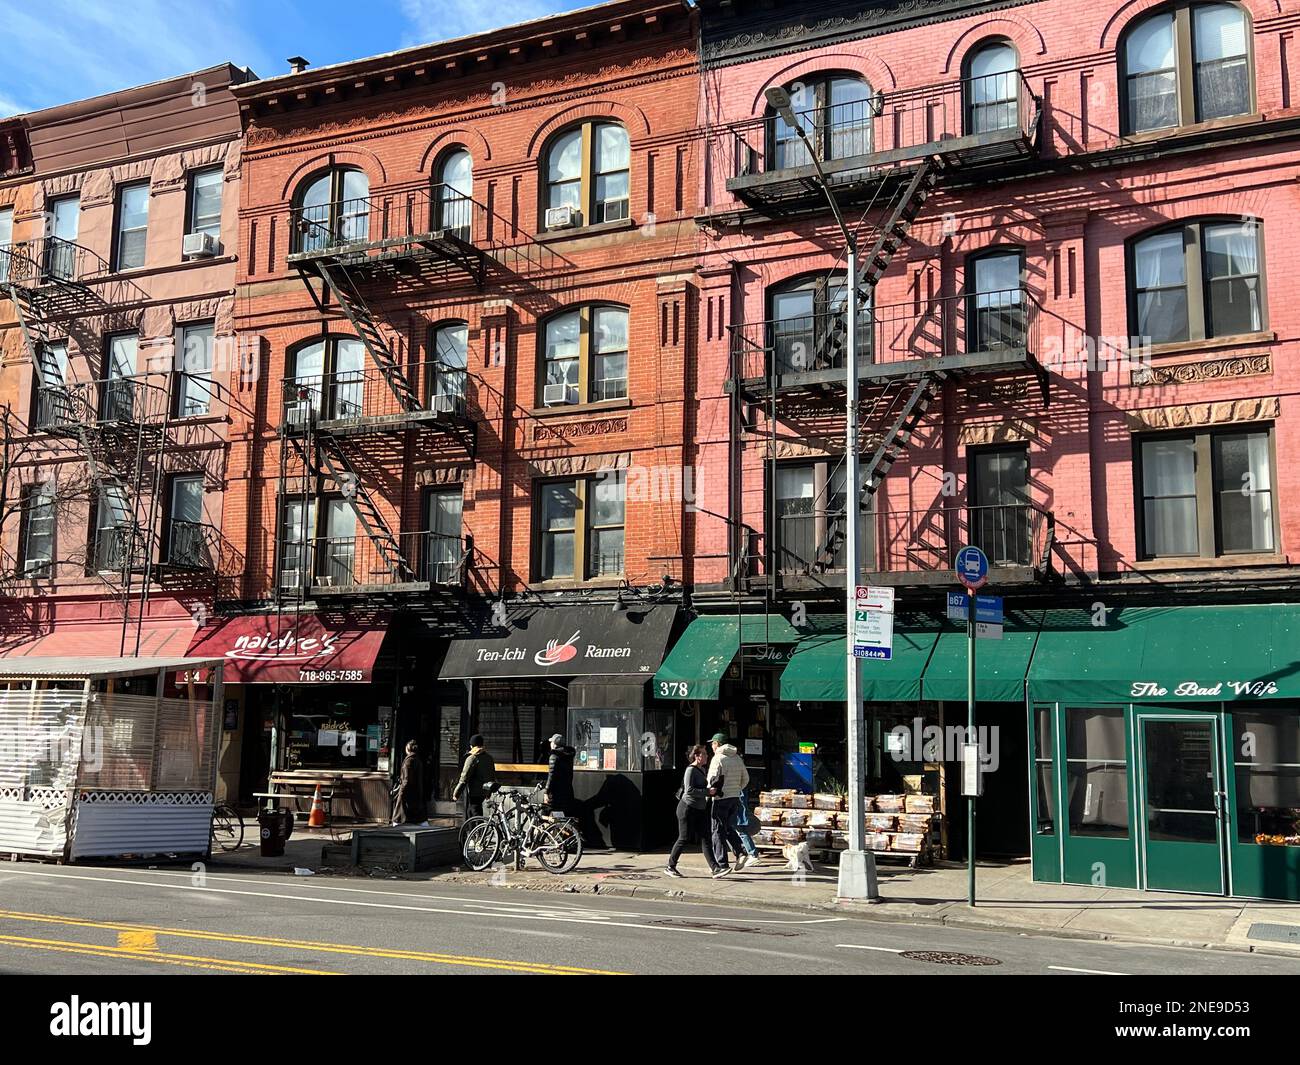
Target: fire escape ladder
334,463
363,321
906,206
892,445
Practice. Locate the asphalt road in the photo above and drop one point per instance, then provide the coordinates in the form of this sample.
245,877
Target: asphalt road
86,920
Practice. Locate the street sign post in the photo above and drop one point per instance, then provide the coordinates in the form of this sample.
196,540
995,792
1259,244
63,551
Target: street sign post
972,571
873,623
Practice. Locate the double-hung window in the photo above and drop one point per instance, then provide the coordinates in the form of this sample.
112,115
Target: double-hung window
580,527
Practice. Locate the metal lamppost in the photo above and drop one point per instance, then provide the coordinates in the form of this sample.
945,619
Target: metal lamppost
857,878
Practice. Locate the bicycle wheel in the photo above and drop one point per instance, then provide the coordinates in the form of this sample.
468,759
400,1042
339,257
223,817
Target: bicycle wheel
561,850
482,843
469,824
227,828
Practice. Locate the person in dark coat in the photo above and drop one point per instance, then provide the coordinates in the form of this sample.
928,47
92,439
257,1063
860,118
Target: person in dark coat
693,811
408,803
559,776
478,777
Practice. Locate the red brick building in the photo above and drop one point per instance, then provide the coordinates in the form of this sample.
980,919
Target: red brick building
468,269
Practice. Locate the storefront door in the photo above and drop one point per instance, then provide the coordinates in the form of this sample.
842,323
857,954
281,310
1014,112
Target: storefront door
1181,821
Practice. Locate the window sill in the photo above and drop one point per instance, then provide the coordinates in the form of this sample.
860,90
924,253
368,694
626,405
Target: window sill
581,408
552,236
1184,347
1222,562
595,584
162,268
1192,128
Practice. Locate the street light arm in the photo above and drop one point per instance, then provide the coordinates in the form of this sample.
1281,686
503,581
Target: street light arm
849,239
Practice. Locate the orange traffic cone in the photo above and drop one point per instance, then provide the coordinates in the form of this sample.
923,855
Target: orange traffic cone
317,816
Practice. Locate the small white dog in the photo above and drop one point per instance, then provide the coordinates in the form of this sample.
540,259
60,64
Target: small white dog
797,856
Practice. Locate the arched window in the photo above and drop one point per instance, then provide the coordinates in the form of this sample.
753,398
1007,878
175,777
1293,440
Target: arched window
835,111
992,88
453,193
448,361
995,311
584,356
330,209
326,380
1197,280
1185,64
588,176
807,328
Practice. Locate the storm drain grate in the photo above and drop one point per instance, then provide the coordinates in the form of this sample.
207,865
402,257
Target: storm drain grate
948,957
1275,933
709,927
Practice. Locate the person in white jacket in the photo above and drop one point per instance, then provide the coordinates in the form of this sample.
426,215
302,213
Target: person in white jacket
728,779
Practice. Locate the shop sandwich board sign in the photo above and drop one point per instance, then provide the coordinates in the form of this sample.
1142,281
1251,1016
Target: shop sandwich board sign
873,623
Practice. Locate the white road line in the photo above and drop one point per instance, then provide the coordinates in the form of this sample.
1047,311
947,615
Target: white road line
1089,972
373,905
863,946
503,904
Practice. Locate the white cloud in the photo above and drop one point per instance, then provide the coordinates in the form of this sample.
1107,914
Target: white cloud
443,20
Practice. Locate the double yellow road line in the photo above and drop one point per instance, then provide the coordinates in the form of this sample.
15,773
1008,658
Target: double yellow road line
139,943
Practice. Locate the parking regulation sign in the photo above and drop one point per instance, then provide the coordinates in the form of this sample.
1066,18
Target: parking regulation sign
972,567
873,623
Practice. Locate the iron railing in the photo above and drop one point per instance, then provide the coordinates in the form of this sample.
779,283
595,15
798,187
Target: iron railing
323,564
1005,320
899,127
50,260
355,397
1012,535
121,400
422,215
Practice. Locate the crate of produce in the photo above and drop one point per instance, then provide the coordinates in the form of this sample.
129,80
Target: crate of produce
890,804
767,837
822,819
877,841
800,801
914,822
785,836
817,837
839,841
920,804
769,815
823,800
906,842
882,822
796,818
776,797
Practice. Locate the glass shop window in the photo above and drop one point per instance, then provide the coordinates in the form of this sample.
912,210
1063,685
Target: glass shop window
1266,758
1096,759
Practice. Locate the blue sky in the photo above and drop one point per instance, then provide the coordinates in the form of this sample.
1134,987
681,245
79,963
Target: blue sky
61,50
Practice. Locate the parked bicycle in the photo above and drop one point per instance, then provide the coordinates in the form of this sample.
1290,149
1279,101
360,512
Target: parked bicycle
517,827
227,827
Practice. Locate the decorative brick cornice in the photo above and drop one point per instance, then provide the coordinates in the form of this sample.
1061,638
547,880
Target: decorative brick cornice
1232,366
545,432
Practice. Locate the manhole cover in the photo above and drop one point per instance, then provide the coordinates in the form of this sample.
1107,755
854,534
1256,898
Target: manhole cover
948,957
630,876
710,927
1275,933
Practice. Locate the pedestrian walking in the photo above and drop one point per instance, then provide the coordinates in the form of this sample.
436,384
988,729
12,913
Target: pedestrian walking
559,776
408,800
727,779
478,777
693,811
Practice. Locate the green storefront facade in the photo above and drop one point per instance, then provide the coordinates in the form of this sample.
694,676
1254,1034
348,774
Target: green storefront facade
1162,743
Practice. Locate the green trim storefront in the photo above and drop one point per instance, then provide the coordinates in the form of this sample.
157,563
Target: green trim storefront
1160,745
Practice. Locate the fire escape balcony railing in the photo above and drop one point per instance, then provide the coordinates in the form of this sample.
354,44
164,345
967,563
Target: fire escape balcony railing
969,122
126,400
361,398
921,545
986,331
344,565
50,261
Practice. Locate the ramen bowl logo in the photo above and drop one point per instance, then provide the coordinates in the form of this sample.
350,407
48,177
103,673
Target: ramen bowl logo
554,653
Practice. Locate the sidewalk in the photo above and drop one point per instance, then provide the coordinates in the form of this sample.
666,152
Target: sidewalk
1007,897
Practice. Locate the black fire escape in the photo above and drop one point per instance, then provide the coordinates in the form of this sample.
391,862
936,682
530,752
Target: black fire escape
789,373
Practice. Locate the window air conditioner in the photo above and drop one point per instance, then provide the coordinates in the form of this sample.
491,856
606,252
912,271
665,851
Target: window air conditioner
199,246
448,404
555,395
298,414
561,217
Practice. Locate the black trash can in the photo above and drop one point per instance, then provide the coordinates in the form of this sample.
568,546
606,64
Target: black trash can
275,826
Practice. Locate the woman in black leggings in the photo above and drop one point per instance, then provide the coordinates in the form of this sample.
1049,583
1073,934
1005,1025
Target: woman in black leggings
693,811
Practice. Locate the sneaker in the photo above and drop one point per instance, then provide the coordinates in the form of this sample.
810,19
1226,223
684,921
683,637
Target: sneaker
751,860
724,871
670,871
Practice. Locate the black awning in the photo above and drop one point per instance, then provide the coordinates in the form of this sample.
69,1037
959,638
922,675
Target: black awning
566,641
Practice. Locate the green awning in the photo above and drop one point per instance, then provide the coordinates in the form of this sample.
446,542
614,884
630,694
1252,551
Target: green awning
695,665
1000,665
1169,654
816,671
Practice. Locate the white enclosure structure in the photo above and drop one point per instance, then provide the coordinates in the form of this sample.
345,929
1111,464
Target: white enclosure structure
96,763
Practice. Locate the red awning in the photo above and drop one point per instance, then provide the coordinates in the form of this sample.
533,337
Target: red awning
292,648
160,638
